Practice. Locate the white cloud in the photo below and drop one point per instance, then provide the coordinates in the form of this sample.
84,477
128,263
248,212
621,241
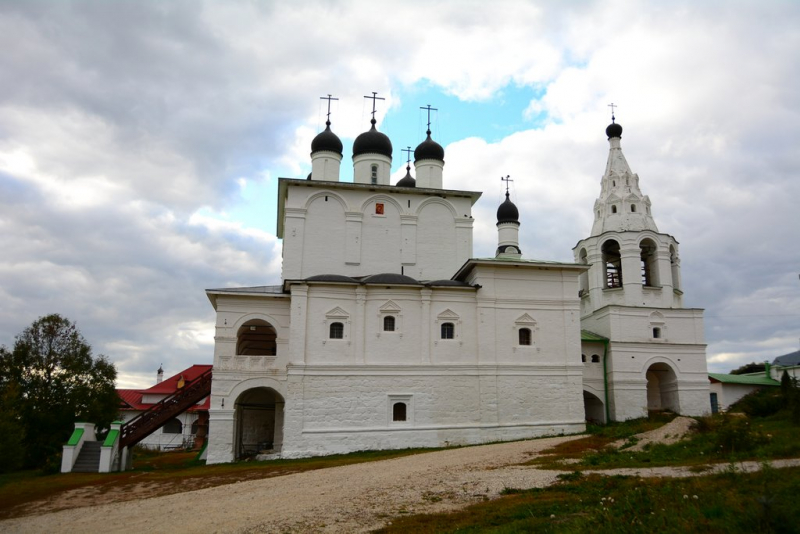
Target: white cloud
125,147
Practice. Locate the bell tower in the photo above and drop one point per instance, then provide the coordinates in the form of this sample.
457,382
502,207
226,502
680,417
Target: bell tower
633,264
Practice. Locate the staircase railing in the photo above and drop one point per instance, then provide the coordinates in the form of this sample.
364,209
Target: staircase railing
149,421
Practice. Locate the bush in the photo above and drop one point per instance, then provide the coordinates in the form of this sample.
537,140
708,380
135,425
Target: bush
760,403
735,435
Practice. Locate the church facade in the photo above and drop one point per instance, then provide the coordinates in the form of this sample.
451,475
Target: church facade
386,333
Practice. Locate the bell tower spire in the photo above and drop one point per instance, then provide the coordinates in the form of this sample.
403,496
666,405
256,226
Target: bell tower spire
621,205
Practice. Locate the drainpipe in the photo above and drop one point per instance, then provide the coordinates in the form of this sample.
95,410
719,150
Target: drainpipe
605,379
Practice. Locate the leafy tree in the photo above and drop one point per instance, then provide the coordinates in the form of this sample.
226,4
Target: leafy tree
786,385
52,378
11,431
751,367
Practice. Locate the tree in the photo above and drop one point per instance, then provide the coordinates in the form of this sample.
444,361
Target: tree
751,367
54,381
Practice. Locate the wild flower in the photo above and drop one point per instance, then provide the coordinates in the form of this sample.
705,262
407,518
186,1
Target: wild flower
685,496
695,497
552,516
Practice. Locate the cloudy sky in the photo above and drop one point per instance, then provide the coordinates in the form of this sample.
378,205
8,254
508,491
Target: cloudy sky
141,142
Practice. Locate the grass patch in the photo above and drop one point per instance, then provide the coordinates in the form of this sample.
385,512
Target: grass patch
719,438
164,473
731,502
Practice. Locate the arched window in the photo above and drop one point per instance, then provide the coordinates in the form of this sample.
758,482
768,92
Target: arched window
173,426
256,338
388,323
613,209
595,358
374,174
583,358
633,208
612,263
524,336
649,264
399,411
337,331
448,331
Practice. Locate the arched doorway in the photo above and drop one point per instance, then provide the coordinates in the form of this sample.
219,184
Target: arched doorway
662,388
593,408
258,422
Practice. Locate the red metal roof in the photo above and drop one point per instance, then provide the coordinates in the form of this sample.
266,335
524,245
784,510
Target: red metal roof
170,385
131,399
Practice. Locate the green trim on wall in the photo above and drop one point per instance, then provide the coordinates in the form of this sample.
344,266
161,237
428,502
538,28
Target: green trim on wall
76,436
111,438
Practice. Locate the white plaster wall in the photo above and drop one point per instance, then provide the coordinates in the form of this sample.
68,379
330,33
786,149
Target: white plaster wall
347,410
728,394
429,173
635,324
627,368
325,166
428,236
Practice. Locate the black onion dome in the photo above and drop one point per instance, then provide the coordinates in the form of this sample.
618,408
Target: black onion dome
614,130
429,149
507,212
372,142
389,278
327,140
407,180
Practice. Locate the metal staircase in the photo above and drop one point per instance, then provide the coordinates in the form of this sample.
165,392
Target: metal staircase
148,422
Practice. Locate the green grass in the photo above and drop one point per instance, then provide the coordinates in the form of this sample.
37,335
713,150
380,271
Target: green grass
732,502
721,438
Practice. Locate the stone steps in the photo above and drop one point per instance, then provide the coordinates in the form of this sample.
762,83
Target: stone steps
89,458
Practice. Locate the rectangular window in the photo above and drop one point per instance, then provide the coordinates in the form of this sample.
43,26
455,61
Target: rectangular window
400,410
337,331
378,208
448,331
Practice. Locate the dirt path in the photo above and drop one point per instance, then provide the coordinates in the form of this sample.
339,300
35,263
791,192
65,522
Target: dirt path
354,498
351,498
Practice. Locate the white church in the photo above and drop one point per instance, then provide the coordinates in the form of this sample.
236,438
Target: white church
387,333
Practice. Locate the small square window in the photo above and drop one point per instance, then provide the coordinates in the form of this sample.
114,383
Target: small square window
656,333
401,410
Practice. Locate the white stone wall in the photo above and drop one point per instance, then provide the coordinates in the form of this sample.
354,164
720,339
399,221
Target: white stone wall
339,230
343,410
